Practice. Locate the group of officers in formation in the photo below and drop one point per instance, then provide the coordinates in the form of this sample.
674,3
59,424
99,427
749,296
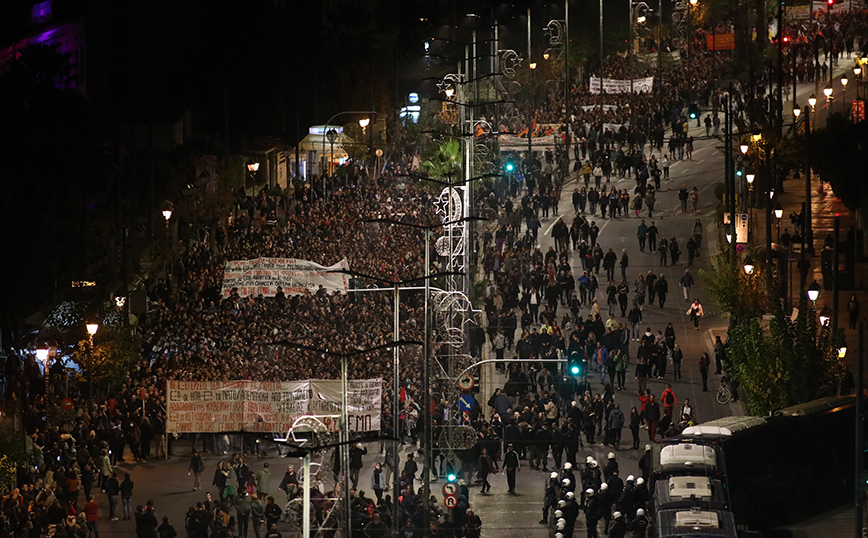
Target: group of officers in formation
606,496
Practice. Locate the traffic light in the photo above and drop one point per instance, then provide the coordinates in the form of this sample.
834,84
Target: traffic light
693,111
830,2
576,365
451,477
510,166
739,168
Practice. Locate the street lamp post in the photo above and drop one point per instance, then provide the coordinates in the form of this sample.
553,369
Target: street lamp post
859,450
252,168
827,91
857,72
748,266
42,354
92,327
844,81
779,212
367,113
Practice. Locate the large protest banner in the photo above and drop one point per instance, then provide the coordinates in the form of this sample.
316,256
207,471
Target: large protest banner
254,406
720,41
264,275
637,85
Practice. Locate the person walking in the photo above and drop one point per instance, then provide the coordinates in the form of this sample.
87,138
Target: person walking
512,465
378,482
91,515
677,357
694,198
484,467
625,263
695,313
263,481
615,423
661,287
112,490
197,466
635,424
652,416
652,236
853,311
642,233
127,496
687,282
704,364
682,197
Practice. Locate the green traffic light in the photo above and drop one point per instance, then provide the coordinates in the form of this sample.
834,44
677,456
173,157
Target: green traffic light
575,370
509,167
451,478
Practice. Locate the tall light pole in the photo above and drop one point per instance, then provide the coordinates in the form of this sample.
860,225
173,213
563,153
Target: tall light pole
844,82
92,327
368,113
827,91
42,354
859,449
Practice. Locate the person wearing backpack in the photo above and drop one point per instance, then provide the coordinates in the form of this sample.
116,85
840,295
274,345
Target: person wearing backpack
669,400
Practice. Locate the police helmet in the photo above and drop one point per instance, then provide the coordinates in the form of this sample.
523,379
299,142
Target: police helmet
554,475
562,503
562,523
571,495
631,478
640,512
640,481
558,514
565,481
589,491
604,486
611,455
589,459
647,448
568,466
616,515
559,535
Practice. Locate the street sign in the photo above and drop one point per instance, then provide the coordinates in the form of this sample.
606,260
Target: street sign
449,489
739,248
450,501
465,402
66,404
465,381
741,225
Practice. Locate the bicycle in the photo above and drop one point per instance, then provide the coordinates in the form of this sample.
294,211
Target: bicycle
724,393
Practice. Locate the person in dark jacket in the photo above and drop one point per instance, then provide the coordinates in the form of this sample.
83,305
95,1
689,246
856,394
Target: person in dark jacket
652,416
197,466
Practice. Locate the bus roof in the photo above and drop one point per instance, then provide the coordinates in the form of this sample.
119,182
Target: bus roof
695,523
722,427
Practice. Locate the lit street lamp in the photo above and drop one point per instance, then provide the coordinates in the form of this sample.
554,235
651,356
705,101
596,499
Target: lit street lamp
748,266
251,168
42,354
814,292
743,147
332,135
827,91
825,316
779,212
844,82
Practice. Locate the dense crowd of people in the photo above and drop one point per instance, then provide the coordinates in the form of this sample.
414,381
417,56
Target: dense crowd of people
535,306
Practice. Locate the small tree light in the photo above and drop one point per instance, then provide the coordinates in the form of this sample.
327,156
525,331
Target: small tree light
814,291
825,315
748,266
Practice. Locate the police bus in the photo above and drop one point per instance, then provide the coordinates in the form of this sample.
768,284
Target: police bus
784,468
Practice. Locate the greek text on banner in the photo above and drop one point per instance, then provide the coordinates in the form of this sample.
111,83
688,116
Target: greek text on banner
253,406
262,276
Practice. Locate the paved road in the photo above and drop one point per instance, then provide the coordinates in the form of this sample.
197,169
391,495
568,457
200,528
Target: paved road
507,516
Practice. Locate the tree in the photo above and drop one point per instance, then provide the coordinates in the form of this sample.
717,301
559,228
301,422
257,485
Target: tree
742,295
838,153
105,365
792,362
